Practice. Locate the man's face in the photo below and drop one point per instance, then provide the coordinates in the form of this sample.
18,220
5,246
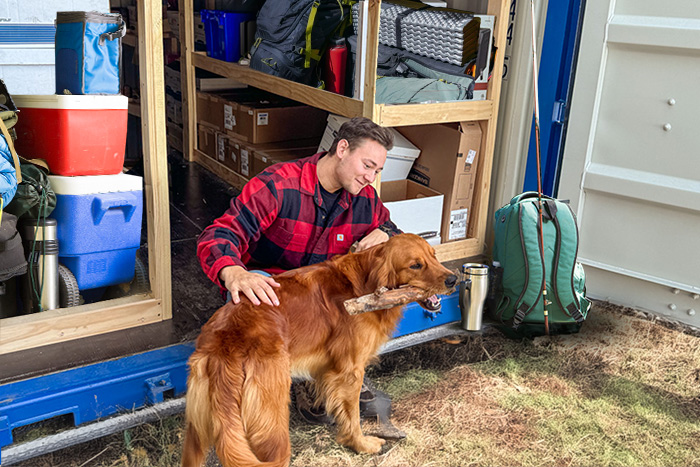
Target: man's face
360,167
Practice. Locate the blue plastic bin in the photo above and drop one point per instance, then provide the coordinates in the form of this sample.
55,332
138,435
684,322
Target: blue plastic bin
225,33
99,227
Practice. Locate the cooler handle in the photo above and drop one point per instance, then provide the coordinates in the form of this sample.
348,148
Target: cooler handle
107,201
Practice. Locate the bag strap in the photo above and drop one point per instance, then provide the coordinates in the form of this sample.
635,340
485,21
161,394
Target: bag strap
534,264
118,34
310,53
11,145
562,283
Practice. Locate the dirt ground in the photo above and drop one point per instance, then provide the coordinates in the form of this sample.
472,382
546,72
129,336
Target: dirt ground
624,391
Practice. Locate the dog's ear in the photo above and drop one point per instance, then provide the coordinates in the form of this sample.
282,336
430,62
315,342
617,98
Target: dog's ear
381,272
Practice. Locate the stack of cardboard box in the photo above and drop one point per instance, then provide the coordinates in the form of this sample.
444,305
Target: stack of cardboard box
248,130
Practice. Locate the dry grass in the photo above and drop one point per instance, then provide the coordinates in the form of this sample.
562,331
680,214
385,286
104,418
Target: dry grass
623,392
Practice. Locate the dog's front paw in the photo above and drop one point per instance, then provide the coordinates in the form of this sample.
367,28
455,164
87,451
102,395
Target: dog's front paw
368,444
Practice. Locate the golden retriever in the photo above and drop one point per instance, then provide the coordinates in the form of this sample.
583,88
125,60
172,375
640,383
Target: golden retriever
240,373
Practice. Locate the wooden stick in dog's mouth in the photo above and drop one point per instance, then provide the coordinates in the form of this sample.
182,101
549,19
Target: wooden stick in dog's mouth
383,299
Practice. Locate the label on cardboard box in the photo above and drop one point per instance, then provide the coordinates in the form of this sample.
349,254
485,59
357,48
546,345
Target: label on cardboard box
229,118
263,118
458,224
221,148
470,156
245,162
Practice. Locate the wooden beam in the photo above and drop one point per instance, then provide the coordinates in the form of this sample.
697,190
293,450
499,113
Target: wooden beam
369,110
155,162
234,179
51,327
480,207
315,97
424,114
187,79
459,249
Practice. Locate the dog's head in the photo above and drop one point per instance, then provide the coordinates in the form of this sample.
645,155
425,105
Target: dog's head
407,259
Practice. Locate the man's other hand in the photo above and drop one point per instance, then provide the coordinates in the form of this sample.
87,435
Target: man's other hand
375,237
256,287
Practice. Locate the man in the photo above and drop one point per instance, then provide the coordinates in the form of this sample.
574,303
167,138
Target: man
299,213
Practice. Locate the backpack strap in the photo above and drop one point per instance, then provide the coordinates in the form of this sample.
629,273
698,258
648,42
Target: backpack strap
534,267
308,52
562,284
10,144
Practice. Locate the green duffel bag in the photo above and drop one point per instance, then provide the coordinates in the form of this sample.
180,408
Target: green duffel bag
520,270
34,198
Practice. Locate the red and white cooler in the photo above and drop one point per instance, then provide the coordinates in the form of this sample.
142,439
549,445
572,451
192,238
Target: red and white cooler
76,135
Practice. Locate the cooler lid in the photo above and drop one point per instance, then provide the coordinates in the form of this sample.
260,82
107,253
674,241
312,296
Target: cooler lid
94,184
83,102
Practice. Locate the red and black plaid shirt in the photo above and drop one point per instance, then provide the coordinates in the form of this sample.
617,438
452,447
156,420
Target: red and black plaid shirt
278,222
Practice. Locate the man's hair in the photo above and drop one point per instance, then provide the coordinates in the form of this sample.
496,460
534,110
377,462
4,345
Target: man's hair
356,130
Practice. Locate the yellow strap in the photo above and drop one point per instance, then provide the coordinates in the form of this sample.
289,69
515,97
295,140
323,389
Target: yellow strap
309,26
8,138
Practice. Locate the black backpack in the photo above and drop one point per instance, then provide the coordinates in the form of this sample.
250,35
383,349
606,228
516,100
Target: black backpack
292,36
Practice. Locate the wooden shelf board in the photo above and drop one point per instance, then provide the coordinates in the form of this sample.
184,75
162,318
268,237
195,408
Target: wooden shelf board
424,114
64,324
283,87
459,249
234,179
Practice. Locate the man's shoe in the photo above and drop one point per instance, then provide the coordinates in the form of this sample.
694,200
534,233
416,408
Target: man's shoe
376,405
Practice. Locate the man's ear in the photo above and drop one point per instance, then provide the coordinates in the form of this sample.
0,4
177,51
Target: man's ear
342,148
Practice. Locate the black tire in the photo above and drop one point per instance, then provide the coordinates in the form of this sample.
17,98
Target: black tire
139,284
68,293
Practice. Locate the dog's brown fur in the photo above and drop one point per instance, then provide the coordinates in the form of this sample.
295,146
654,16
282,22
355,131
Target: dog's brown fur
240,373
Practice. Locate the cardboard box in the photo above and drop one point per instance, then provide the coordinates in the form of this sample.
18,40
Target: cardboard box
262,159
257,117
206,141
448,164
398,161
414,208
228,151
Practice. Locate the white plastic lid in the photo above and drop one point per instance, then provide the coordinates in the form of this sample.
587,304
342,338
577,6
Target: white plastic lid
93,184
403,148
59,101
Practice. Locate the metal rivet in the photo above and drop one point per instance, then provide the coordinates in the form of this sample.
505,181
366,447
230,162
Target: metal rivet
691,312
675,291
667,127
672,101
672,307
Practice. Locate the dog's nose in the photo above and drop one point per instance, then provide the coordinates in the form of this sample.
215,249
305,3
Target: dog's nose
450,281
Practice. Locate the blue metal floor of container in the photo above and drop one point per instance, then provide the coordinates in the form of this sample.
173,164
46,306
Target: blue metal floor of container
94,378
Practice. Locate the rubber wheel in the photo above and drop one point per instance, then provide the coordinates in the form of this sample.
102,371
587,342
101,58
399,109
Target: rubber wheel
68,293
139,284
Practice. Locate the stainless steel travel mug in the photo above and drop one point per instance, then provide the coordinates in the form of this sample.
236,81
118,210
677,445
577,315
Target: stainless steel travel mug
472,294
41,246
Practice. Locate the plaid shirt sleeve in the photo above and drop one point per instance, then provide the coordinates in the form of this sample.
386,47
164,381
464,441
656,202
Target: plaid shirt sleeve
226,241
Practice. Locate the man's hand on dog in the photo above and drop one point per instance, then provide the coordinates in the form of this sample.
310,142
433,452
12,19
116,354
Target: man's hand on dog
375,237
256,287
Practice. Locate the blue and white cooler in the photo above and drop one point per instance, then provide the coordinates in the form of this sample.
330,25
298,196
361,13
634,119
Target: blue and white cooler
99,226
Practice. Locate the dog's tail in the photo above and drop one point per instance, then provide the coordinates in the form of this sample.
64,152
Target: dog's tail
245,418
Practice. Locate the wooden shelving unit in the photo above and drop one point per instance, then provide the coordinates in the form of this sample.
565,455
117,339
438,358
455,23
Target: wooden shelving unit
485,112
51,327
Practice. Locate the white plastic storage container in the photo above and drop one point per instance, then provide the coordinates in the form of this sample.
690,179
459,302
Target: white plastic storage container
398,161
99,226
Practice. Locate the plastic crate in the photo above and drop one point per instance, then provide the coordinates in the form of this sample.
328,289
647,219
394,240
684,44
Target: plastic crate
227,33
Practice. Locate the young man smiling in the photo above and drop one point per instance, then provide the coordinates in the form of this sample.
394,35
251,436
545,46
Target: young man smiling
298,213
